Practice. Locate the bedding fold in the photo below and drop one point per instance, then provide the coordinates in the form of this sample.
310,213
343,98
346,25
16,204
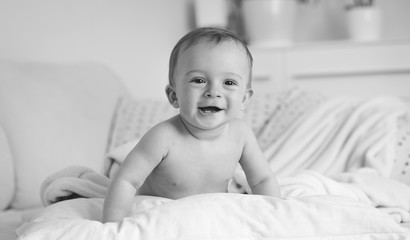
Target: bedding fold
73,182
388,195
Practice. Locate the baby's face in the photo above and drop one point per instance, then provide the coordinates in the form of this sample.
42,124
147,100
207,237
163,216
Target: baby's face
210,82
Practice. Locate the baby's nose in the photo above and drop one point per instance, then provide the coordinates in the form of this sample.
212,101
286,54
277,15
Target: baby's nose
212,93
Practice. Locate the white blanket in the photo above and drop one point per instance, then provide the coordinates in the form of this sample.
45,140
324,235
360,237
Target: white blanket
334,135
386,194
314,207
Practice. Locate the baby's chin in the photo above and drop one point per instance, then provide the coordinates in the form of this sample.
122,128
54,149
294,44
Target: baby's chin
205,123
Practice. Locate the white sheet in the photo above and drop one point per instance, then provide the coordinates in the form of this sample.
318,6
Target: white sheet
218,216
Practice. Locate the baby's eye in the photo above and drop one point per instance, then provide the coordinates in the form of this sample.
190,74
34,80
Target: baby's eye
198,80
230,82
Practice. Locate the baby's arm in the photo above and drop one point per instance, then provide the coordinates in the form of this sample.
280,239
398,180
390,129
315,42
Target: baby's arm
137,166
260,177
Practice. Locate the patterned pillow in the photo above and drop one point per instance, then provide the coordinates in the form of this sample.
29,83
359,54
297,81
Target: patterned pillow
401,170
260,109
134,117
290,106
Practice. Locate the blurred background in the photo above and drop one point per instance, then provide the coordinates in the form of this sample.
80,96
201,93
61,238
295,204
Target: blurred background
135,37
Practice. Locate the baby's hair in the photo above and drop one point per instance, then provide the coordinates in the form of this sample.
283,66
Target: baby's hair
209,34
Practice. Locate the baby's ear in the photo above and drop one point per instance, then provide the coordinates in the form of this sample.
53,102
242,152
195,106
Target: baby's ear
246,98
172,95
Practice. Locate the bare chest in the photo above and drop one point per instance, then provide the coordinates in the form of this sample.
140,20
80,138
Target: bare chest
195,169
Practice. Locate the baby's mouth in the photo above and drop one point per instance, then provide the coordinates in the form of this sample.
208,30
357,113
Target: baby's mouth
210,109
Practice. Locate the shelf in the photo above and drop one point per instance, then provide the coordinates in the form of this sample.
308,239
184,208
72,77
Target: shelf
360,68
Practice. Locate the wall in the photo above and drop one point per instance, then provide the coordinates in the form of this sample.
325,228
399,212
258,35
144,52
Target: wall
135,37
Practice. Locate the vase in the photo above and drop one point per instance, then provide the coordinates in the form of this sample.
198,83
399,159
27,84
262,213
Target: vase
269,22
364,23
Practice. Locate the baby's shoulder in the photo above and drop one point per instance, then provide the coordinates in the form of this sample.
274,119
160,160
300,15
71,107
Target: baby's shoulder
159,137
167,126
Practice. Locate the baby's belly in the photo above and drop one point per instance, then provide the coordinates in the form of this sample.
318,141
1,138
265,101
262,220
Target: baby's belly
176,190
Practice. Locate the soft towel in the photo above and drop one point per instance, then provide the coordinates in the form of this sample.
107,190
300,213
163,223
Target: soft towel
73,182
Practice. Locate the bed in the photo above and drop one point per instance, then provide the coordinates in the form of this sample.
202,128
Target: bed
342,163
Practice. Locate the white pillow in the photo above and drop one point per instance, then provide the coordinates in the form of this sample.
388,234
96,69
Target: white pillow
217,216
6,172
55,116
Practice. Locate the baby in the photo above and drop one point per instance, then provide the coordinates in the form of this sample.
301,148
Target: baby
198,150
